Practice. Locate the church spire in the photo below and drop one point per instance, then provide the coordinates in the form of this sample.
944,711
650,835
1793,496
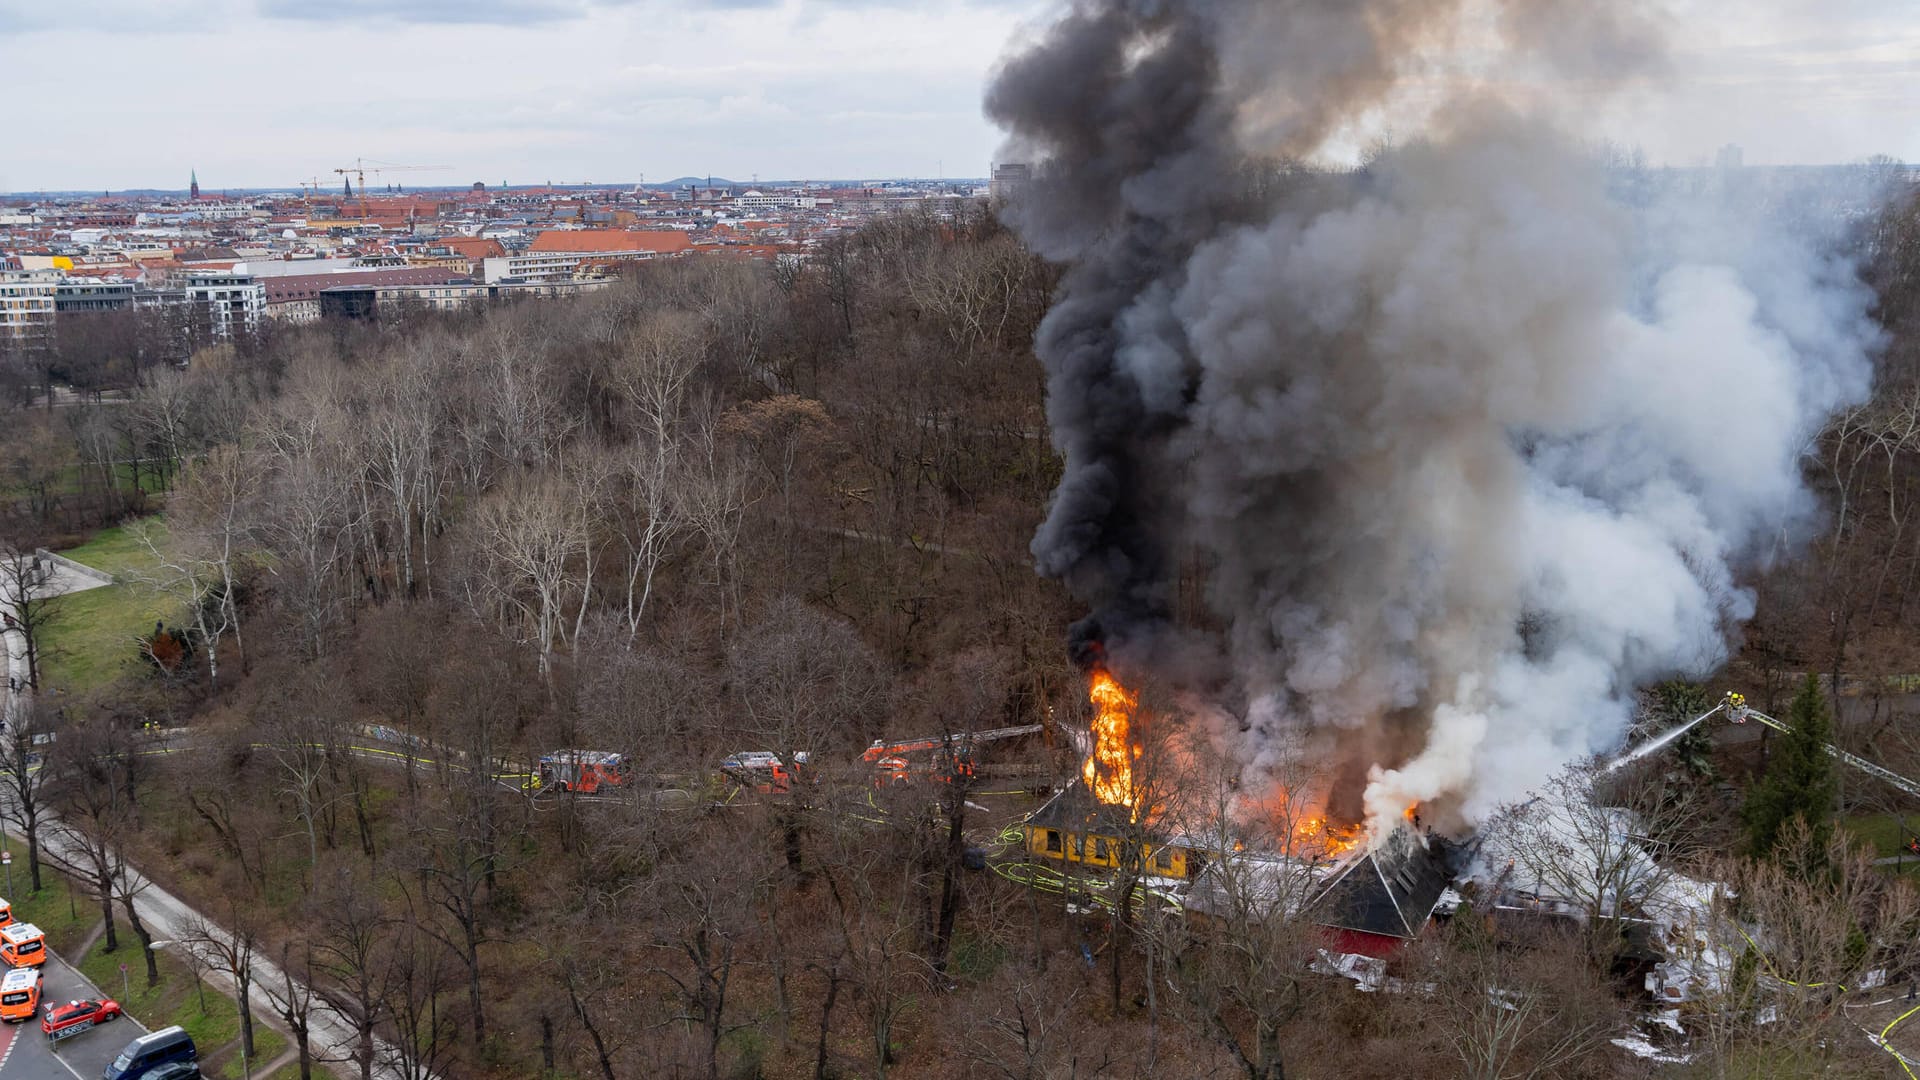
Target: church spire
193,189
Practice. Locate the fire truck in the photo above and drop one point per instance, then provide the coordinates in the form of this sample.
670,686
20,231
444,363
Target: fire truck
763,771
942,757
582,771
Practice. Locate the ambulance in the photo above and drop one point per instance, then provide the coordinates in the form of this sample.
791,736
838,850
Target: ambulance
6,914
23,945
20,995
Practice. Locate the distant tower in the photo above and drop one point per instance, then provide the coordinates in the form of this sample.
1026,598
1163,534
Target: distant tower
193,189
348,181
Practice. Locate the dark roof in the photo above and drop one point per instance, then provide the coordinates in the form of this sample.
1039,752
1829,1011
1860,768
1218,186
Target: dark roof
1076,809
1390,890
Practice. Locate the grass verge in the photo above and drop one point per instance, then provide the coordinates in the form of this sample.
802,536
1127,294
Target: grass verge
90,643
208,1015
1882,832
60,909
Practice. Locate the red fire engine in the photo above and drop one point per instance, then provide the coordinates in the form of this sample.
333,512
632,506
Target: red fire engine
763,771
583,771
947,756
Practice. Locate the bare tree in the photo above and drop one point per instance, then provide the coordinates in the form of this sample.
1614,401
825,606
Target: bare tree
716,498
91,791
128,884
1240,959
30,602
292,999
1583,847
23,776
196,579
230,952
422,974
1515,1009
402,433
652,377
1029,1031
528,545
300,738
352,957
1786,936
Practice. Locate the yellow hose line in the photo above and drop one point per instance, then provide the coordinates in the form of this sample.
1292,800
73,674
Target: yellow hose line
1884,1032
1888,1047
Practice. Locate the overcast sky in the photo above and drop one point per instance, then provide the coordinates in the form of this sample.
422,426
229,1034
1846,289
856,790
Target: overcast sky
266,93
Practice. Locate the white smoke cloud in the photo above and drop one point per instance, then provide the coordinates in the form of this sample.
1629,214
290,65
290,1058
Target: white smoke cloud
1511,400
1473,445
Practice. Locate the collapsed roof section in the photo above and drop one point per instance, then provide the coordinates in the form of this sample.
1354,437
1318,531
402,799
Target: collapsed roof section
1390,890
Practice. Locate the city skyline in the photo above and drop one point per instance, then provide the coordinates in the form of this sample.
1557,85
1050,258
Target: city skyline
268,94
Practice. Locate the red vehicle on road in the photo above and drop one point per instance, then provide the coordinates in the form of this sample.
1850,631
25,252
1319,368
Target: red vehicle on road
75,1017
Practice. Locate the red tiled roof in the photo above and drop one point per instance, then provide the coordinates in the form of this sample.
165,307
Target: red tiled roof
611,241
473,247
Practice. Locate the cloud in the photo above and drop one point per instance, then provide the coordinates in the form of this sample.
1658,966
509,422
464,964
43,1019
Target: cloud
537,12
461,12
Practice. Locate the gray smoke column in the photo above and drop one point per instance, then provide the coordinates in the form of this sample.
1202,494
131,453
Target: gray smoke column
1470,441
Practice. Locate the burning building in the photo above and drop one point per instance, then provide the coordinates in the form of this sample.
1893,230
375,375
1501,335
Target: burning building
1076,828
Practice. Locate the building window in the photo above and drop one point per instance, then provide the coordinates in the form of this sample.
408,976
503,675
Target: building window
1053,841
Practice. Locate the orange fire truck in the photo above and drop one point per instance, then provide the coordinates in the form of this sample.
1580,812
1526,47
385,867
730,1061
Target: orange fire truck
936,756
763,771
582,771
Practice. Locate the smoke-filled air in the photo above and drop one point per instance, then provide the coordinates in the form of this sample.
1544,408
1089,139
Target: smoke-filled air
1472,440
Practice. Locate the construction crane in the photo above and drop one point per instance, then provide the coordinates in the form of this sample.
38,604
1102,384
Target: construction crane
362,166
1737,710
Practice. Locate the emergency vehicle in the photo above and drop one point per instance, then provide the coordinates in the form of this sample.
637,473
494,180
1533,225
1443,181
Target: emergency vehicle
584,771
762,770
64,1021
937,757
23,945
6,914
20,995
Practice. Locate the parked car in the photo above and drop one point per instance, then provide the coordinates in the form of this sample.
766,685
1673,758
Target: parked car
146,1057
75,1017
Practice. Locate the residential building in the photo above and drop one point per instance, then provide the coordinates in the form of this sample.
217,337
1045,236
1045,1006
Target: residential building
81,295
27,304
296,298
612,244
232,303
530,266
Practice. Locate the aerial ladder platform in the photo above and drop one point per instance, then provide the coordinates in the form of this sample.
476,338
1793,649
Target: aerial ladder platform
1736,709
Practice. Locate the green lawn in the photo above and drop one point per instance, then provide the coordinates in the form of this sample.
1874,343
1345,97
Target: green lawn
60,910
174,1000
91,641
1882,832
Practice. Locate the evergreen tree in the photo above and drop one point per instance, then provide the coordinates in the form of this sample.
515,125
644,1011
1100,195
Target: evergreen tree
1799,781
1676,702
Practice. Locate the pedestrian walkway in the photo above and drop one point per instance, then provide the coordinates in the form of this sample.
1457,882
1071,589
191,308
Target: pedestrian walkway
56,577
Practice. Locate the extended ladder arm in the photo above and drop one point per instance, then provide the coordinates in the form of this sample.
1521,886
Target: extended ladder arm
1737,710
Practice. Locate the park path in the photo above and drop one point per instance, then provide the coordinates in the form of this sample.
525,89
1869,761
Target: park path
172,921
60,578
168,917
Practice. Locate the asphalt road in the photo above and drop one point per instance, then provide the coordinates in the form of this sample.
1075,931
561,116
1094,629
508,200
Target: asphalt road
25,1054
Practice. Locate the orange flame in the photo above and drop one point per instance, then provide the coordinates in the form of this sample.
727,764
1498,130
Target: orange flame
1109,769
1330,839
